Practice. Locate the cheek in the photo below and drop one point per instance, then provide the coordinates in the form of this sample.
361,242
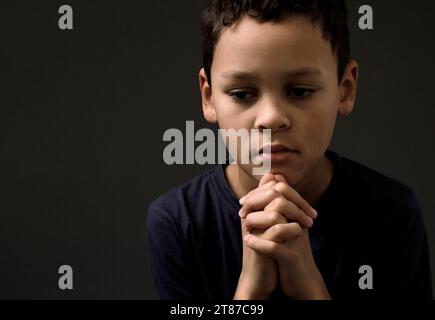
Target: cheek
230,116
229,120
320,125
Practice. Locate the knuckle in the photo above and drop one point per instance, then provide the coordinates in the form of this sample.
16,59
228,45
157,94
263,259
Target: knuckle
272,205
296,229
281,186
277,194
274,248
276,218
274,215
278,229
268,192
251,238
272,193
280,203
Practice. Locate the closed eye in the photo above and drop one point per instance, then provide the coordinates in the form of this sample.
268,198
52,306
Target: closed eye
300,92
241,95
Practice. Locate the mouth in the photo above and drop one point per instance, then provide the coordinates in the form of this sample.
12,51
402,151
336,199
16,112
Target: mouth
276,153
276,148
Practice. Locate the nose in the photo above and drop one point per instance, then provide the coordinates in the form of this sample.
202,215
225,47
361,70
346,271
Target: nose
272,115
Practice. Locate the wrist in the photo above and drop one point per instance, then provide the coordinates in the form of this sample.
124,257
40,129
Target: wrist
317,290
245,291
242,294
310,287
320,293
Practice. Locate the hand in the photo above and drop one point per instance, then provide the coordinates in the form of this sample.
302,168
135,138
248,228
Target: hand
259,276
289,245
286,242
274,188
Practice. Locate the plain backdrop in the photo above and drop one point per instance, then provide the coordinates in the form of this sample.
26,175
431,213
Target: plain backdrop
83,112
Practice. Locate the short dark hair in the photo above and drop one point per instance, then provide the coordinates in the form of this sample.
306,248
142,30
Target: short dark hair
332,15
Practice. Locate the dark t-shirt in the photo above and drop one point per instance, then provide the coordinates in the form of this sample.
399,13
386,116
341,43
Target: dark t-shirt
365,219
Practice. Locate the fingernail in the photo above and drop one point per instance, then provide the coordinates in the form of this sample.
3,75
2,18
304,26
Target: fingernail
242,200
241,213
314,212
310,222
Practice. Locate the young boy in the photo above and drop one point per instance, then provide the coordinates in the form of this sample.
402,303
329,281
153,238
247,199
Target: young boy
317,226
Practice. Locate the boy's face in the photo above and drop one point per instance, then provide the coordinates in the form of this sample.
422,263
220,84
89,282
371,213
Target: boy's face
279,76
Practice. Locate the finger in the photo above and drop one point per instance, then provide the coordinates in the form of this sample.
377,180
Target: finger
280,178
265,186
290,211
263,220
266,178
288,192
293,196
283,232
258,201
266,247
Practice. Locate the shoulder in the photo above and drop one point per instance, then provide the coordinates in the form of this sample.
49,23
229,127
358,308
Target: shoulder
382,222
375,183
180,202
379,193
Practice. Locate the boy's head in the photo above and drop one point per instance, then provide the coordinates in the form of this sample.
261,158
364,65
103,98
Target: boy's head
331,15
279,65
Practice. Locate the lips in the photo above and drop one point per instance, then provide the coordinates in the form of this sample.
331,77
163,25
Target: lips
276,148
278,154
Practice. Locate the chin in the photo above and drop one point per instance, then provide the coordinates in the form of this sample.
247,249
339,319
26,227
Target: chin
292,176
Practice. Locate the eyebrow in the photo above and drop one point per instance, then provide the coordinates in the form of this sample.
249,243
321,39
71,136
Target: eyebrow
242,75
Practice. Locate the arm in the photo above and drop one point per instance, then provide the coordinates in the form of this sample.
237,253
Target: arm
170,260
410,263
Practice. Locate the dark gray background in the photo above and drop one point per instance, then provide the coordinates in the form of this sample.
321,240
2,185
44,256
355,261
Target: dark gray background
82,114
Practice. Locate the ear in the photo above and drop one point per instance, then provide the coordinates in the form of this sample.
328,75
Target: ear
348,88
207,107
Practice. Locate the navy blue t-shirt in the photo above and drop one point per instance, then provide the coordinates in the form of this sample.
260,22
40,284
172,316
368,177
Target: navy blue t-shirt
365,218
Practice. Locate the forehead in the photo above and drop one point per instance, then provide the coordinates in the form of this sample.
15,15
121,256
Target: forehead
289,44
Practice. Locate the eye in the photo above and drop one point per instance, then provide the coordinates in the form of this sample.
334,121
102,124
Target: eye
300,92
241,95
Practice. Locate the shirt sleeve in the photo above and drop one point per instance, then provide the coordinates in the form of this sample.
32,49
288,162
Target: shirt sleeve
170,260
411,264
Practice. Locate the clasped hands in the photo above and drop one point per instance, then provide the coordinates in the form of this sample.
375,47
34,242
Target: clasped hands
276,245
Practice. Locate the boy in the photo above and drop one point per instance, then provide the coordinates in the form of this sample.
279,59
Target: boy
306,229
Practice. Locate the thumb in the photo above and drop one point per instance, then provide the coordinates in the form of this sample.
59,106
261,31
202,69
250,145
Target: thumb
280,178
266,178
